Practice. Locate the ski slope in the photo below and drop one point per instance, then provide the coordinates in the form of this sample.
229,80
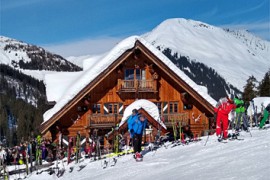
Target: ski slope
247,159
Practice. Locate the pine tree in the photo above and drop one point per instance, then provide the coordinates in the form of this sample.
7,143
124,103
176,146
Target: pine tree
250,89
264,87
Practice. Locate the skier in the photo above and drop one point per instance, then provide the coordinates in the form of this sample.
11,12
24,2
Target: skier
223,108
265,115
136,127
131,119
240,114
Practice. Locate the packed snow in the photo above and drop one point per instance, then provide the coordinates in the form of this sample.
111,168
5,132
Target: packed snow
247,159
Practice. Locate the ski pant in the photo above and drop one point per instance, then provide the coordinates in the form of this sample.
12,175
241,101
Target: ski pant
241,118
265,117
221,118
137,142
1,162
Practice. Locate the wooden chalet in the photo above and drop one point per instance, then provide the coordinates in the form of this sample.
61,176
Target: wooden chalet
136,70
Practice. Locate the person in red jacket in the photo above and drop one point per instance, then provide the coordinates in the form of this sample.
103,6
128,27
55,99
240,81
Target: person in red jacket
223,108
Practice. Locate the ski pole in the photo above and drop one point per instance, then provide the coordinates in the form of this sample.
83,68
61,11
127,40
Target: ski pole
206,139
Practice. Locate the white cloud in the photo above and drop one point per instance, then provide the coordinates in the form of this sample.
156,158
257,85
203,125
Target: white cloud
83,47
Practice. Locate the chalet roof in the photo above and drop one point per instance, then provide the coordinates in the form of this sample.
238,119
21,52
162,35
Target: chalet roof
145,107
94,71
148,106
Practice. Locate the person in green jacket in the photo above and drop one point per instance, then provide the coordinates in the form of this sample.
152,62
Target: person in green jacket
240,114
266,112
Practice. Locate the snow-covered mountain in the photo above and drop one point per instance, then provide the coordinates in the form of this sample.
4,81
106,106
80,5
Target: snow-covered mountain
20,55
235,55
28,60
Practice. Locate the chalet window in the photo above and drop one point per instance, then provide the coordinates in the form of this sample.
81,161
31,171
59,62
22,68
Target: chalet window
162,107
132,74
165,108
96,108
129,74
173,107
113,108
110,108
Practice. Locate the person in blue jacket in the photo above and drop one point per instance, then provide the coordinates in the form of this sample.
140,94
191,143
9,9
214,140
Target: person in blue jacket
136,126
132,119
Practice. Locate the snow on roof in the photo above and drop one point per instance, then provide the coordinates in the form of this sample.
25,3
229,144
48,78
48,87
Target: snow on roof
148,106
57,83
93,71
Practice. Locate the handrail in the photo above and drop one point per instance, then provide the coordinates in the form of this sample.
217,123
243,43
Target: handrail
137,85
104,118
168,119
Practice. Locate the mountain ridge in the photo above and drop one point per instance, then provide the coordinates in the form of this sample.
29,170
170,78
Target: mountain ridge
233,54
21,55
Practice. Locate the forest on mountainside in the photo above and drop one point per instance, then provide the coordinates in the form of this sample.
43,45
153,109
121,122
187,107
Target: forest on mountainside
22,104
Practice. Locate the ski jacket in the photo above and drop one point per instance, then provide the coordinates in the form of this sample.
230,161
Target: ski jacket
239,105
225,108
136,126
130,121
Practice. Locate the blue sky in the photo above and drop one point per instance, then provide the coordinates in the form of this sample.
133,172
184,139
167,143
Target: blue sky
80,27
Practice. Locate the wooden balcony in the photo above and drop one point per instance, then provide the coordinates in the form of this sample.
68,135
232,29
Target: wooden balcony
169,119
110,120
137,85
104,121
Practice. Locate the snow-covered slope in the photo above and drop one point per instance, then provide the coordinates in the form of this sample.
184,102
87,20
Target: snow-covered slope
7,56
20,55
245,160
235,55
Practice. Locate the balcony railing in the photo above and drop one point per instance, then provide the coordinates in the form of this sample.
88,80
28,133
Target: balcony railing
101,120
137,85
110,120
169,119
